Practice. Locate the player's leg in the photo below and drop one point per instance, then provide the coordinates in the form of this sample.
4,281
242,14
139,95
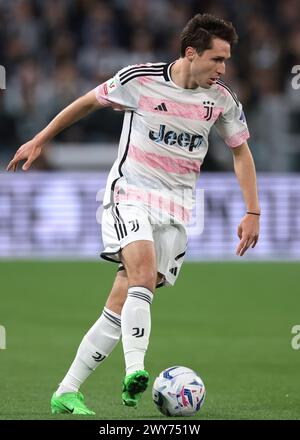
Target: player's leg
140,263
144,261
118,293
95,347
128,236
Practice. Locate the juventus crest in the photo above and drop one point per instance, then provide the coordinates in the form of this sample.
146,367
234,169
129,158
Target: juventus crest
209,106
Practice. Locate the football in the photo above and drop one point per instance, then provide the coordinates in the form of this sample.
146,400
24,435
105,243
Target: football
178,391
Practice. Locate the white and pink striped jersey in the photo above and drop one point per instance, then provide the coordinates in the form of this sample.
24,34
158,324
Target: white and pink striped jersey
165,135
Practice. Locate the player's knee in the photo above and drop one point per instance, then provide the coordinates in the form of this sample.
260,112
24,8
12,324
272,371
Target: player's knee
145,277
115,304
118,294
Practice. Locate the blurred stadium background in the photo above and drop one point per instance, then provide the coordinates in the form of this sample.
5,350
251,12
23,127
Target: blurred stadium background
54,51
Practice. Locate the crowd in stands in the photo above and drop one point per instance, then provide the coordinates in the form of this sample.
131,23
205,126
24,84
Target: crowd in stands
54,51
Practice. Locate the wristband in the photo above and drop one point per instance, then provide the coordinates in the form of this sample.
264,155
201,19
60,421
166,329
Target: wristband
253,213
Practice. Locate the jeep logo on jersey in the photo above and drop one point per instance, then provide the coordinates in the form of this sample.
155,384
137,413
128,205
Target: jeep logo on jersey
183,139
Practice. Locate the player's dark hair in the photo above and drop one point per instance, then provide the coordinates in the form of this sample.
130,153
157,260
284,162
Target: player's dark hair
202,29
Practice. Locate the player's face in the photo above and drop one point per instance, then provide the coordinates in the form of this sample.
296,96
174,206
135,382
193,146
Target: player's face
210,65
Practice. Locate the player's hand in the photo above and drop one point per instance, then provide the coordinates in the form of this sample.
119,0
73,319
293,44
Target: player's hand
28,152
248,232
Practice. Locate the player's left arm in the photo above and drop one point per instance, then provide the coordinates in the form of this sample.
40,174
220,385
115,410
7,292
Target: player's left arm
248,229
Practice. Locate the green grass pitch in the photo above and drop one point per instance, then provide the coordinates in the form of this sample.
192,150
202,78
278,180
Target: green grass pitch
231,322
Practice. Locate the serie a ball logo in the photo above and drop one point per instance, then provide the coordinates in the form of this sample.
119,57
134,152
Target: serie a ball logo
178,391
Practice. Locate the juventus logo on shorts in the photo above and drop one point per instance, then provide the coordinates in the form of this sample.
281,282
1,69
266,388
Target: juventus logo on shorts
99,357
135,225
138,332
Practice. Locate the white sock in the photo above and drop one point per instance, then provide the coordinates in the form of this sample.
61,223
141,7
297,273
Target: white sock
136,326
96,345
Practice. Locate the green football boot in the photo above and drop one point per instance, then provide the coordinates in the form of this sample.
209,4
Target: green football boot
134,385
70,403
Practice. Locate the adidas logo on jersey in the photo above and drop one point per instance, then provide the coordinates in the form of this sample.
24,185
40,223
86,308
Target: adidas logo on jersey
161,107
183,139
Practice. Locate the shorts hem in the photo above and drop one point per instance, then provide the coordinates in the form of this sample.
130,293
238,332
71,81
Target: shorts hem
108,256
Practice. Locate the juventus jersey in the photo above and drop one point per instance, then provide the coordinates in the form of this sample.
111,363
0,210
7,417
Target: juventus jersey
165,135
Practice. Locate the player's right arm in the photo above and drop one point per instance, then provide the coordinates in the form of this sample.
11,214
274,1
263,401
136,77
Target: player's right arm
68,116
120,92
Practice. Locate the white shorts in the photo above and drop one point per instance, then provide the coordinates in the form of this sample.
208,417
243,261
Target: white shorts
125,223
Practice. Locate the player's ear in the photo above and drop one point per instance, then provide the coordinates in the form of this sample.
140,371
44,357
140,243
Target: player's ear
190,53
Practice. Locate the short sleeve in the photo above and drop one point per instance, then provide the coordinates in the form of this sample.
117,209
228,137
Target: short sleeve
232,125
118,93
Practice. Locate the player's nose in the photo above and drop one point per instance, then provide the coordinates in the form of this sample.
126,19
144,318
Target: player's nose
221,69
